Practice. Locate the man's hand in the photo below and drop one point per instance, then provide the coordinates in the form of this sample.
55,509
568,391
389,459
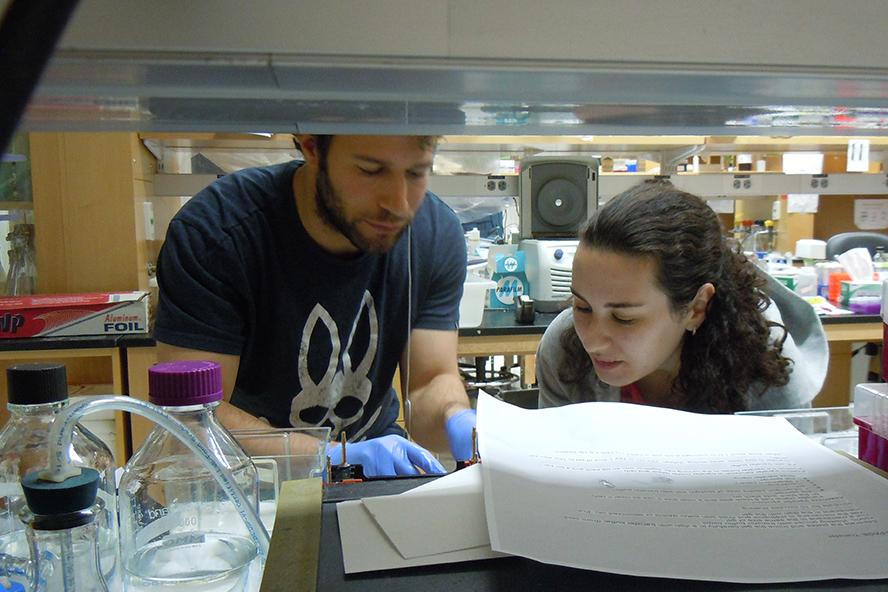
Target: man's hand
459,433
386,456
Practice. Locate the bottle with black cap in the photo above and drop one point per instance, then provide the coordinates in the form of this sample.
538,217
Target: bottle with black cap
36,393
61,519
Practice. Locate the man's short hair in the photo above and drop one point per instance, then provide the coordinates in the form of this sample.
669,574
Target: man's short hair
323,142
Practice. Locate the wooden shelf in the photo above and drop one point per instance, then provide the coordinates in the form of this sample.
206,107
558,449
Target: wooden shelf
16,205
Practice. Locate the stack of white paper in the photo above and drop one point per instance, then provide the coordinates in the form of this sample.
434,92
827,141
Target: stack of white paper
440,522
637,490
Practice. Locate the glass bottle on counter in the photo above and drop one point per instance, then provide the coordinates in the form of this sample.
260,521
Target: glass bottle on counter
36,393
22,276
178,527
62,530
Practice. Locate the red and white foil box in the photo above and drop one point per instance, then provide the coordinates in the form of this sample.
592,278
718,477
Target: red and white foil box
57,315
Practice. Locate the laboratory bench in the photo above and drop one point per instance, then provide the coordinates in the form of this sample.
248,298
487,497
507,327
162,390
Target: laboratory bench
509,573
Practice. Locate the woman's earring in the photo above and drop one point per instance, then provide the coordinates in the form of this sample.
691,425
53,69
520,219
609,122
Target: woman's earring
694,331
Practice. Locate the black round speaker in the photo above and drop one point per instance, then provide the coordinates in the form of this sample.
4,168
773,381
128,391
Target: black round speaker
560,202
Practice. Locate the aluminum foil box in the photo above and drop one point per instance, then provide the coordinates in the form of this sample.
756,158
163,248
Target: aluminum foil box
56,315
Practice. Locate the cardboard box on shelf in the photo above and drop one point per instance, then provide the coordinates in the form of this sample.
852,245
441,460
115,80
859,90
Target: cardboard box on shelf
56,315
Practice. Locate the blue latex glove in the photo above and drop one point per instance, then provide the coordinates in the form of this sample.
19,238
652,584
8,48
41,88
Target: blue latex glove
386,456
459,432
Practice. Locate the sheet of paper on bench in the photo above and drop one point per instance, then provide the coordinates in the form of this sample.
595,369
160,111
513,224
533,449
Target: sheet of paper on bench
417,527
423,521
655,492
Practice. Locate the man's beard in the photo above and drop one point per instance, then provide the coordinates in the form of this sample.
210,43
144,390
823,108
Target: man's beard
332,213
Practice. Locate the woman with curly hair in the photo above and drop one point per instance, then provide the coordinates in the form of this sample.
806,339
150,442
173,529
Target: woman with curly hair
666,313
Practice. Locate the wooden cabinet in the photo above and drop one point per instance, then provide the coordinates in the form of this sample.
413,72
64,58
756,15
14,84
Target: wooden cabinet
89,192
837,389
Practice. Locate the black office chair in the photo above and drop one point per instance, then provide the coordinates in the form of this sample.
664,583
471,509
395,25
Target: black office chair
845,241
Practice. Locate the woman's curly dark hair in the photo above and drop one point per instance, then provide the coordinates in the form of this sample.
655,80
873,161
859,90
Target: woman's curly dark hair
731,353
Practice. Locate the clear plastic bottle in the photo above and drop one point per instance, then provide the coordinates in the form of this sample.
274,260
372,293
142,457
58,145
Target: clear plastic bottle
36,393
62,530
178,527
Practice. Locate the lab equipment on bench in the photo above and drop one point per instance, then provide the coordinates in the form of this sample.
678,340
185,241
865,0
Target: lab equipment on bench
281,455
343,471
549,267
61,460
475,459
37,392
177,525
62,530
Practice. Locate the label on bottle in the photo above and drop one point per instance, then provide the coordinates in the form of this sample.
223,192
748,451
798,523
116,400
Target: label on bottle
159,522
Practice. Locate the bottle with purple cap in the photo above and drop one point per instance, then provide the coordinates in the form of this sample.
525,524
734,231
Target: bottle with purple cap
178,528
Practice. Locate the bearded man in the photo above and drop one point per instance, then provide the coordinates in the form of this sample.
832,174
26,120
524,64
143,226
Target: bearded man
310,282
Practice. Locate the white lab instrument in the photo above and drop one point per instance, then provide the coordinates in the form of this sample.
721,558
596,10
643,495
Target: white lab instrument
549,267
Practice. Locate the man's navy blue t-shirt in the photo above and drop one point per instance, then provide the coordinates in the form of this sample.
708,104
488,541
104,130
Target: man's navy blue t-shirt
319,336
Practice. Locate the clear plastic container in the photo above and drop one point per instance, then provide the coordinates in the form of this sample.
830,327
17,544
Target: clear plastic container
178,527
37,392
63,533
832,427
283,454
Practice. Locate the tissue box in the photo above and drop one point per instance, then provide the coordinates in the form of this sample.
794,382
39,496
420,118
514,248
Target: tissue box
55,315
852,289
511,280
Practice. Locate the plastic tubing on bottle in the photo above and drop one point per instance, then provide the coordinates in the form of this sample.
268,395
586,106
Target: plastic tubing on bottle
62,430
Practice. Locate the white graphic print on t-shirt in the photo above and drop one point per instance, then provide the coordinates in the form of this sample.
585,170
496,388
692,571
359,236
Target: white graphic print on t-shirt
339,396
